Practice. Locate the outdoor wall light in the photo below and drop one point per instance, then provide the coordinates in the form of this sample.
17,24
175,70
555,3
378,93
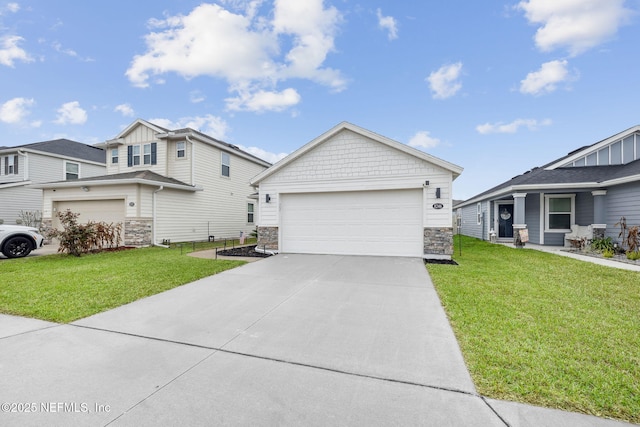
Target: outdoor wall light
267,198
132,204
426,183
84,188
438,193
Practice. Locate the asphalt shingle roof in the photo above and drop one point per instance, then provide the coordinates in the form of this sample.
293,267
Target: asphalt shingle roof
68,148
570,175
144,174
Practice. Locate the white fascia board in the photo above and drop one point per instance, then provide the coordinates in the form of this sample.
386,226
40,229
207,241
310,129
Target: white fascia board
14,184
623,180
110,143
129,128
594,148
107,182
60,156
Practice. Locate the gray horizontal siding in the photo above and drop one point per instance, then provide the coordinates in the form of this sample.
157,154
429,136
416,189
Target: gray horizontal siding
470,226
622,201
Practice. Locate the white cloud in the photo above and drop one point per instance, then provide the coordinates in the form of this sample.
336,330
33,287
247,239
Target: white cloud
577,25
444,82
71,113
389,24
125,109
10,51
195,96
10,7
422,139
512,127
546,78
247,50
211,125
264,101
15,110
263,154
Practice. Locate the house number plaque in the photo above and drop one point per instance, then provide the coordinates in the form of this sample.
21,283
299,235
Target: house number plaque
438,206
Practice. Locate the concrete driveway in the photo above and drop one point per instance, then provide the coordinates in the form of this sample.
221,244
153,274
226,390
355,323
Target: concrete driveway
289,340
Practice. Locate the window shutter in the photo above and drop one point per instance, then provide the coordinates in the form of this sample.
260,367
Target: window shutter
130,155
154,153
6,165
15,165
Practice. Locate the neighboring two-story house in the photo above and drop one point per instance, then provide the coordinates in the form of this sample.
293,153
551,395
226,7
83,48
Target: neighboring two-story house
39,162
164,185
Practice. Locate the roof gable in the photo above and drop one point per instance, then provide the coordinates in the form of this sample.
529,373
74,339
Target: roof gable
368,143
593,149
139,122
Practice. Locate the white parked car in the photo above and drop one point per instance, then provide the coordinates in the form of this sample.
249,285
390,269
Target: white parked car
18,240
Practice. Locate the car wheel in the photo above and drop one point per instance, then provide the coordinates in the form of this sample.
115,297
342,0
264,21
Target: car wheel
17,247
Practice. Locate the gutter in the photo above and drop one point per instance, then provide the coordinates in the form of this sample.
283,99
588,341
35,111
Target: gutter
154,216
193,158
26,164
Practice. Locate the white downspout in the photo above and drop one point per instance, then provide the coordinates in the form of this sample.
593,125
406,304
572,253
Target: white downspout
193,158
26,164
154,214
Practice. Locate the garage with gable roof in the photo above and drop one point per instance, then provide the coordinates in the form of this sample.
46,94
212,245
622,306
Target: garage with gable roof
353,192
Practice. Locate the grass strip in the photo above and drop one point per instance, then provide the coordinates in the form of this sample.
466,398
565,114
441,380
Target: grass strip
544,329
63,288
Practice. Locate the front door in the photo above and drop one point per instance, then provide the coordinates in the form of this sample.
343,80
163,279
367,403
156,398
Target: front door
505,221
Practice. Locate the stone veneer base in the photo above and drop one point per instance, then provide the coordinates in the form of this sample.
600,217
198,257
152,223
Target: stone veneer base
268,238
438,241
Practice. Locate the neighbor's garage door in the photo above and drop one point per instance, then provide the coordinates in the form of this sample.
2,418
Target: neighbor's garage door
353,223
109,211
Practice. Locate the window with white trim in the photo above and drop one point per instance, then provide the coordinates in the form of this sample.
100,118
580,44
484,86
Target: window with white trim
11,165
250,213
226,164
559,212
146,154
136,155
72,170
181,149
479,213
114,155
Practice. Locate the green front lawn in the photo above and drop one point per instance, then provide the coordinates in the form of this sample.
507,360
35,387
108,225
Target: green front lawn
63,288
544,329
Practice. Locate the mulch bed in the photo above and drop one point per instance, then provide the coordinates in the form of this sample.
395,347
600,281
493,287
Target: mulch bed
246,251
440,261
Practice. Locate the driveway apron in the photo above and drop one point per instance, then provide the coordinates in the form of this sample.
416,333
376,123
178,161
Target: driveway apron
289,340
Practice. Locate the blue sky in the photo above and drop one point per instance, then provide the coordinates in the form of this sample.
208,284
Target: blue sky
496,87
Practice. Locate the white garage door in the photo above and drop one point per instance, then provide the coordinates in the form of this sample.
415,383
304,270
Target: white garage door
353,223
109,211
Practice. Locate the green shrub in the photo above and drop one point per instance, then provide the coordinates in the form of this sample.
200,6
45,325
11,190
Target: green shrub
77,239
608,253
633,255
603,244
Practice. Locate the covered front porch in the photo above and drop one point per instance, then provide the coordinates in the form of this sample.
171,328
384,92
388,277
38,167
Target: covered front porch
544,218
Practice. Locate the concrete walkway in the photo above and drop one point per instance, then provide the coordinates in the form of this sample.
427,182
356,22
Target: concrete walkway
290,340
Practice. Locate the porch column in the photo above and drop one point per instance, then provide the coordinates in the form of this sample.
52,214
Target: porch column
599,225
518,218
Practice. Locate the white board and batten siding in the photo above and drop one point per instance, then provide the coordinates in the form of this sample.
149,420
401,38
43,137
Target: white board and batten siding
351,192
